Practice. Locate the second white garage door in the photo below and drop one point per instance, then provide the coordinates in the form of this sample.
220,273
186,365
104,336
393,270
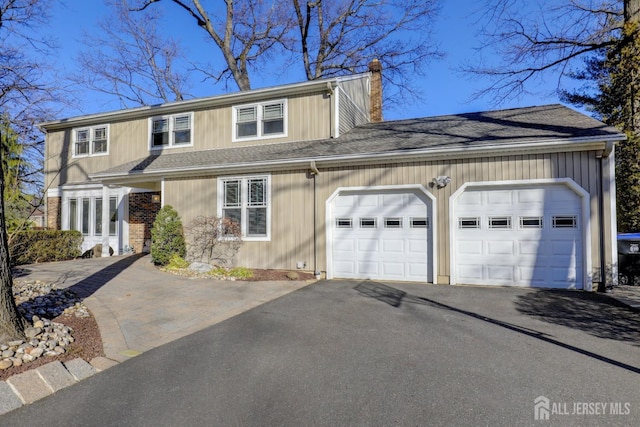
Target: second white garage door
519,236
381,235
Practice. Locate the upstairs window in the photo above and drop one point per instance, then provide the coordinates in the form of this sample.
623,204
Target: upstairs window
263,120
91,141
171,131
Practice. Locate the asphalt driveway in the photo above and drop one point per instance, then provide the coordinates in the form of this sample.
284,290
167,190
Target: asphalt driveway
370,353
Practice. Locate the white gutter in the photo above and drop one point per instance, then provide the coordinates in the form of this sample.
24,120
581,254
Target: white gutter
577,144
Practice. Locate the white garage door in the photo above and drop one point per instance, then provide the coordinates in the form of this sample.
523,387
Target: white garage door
382,235
519,237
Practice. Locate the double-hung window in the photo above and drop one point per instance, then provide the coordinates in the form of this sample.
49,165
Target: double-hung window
91,141
171,131
246,201
263,120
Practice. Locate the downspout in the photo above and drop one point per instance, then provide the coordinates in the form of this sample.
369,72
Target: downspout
313,171
602,285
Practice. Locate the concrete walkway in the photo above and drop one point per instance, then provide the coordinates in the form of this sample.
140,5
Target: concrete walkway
137,307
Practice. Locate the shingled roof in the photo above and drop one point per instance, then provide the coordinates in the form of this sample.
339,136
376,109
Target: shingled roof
472,131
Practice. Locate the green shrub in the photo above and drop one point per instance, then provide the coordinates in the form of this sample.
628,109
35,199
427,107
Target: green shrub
177,262
241,273
28,247
167,237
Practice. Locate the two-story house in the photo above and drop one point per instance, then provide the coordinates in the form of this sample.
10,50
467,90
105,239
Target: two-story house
316,180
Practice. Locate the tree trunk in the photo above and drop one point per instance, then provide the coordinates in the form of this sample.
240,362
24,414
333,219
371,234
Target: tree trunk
11,323
632,21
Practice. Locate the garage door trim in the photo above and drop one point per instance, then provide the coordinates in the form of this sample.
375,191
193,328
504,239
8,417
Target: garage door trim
416,188
568,182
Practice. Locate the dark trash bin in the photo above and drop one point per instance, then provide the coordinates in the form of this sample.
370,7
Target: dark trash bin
629,258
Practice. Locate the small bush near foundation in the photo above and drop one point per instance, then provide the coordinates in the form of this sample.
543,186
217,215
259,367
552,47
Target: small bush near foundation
213,239
177,262
239,273
32,246
167,236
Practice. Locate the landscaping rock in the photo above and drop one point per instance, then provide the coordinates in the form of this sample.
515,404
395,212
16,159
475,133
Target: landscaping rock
200,267
36,301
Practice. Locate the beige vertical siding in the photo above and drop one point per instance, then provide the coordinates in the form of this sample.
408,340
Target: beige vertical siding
191,197
308,119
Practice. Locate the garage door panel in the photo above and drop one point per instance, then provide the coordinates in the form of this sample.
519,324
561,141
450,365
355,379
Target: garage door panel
368,200
469,247
345,268
393,269
468,272
528,247
497,247
499,198
501,272
367,269
368,245
393,246
418,246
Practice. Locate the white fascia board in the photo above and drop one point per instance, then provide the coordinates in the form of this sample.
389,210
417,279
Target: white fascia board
194,104
429,154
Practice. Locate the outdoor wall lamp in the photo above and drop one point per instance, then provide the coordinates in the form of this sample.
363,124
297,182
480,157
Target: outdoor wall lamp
441,181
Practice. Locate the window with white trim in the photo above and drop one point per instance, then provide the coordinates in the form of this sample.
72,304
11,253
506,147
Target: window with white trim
500,222
369,222
171,131
393,223
85,215
468,223
565,221
344,223
246,201
91,141
531,222
262,120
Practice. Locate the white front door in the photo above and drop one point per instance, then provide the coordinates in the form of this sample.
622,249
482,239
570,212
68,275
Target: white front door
381,235
519,236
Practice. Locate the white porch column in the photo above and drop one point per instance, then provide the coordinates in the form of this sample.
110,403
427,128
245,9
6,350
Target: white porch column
105,221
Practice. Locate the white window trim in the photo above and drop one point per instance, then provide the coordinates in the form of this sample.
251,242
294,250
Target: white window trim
91,225
259,106
244,179
90,129
171,144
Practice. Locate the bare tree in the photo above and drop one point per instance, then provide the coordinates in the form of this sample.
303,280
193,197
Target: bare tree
211,238
540,39
22,94
128,59
325,37
343,36
244,32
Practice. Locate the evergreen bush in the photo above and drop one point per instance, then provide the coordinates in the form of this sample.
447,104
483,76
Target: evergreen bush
167,236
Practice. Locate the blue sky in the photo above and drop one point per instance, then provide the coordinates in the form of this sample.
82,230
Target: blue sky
445,90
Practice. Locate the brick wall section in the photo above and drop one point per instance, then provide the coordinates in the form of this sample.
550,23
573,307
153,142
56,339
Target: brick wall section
54,213
142,213
375,97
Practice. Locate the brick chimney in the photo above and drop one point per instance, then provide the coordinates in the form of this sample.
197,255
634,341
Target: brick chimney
375,96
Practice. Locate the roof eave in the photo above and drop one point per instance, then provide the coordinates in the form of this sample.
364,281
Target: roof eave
194,104
529,147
